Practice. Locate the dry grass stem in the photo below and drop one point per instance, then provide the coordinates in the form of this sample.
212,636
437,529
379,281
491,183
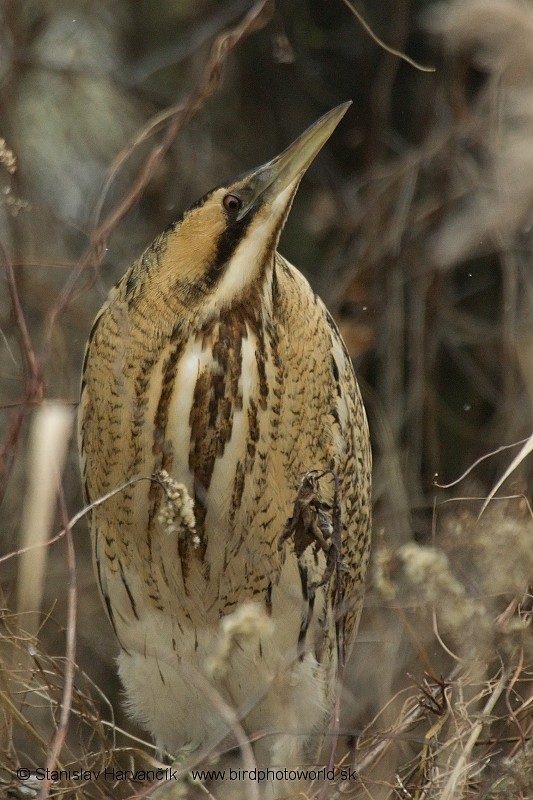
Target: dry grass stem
49,438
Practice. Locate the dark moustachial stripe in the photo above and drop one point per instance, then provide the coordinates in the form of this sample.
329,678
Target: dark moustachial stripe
228,242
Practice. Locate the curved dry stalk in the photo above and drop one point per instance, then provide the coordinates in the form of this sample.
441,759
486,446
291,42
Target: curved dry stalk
175,118
70,654
460,772
382,44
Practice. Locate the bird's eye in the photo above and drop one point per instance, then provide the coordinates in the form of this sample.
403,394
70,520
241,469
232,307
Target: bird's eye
232,203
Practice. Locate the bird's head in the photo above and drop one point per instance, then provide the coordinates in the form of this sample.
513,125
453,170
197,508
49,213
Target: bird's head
223,243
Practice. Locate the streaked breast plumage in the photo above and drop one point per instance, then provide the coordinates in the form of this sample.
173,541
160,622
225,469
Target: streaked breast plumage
214,363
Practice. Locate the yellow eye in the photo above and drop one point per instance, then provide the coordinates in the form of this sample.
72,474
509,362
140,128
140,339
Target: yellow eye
232,203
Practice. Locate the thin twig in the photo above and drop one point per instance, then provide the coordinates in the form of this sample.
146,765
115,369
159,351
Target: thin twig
70,652
382,44
512,713
475,464
460,771
80,514
34,383
175,118
524,452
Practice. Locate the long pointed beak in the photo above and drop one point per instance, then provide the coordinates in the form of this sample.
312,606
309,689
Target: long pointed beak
268,181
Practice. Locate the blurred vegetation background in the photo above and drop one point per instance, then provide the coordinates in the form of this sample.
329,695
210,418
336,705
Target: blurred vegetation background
415,226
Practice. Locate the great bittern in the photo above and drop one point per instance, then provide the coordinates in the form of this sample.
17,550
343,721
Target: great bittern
214,368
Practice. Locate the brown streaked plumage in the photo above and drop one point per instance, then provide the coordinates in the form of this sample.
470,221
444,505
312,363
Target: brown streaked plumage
214,362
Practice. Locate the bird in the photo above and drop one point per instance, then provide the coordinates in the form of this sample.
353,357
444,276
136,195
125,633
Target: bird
226,458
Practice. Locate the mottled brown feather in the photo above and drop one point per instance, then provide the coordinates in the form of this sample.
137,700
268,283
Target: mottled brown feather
236,386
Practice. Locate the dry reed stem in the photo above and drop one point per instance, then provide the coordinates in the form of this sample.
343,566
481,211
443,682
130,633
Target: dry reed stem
392,50
50,434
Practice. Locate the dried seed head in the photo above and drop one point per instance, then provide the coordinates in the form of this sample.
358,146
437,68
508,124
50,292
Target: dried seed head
248,623
176,514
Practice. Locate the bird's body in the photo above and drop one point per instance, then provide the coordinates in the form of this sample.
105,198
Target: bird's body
214,362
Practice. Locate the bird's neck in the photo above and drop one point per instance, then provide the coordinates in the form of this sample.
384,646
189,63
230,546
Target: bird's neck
170,302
